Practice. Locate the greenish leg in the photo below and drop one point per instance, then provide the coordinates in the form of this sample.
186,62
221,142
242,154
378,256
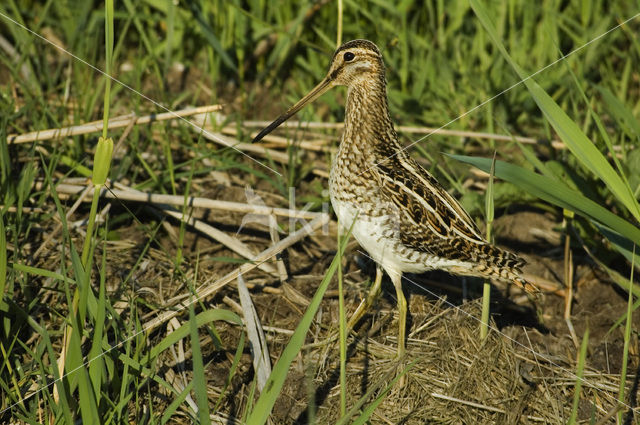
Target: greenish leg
366,304
396,278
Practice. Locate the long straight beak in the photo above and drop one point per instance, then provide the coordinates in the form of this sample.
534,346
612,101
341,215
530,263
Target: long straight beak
315,93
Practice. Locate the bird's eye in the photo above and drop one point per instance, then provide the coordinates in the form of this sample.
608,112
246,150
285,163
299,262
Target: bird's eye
349,56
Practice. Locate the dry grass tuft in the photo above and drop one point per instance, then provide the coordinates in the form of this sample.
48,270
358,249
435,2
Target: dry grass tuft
458,379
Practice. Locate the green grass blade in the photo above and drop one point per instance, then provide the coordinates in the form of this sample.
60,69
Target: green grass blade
96,364
200,319
568,130
342,337
368,410
63,395
623,318
76,369
232,370
617,278
209,34
579,374
269,395
625,350
175,404
3,260
141,369
126,377
623,245
37,271
486,287
556,193
83,286
618,109
199,381
108,41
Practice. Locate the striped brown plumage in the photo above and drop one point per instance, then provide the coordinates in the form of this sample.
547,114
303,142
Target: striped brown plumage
401,215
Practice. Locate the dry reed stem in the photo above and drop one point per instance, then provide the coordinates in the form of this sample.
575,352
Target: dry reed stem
319,145
24,210
209,288
161,201
255,334
481,406
129,194
413,129
232,243
58,227
16,57
221,139
116,122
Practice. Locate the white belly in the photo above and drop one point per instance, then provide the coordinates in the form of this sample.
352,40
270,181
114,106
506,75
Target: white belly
377,237
381,240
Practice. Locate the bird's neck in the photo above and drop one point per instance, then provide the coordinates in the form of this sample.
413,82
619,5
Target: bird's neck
367,120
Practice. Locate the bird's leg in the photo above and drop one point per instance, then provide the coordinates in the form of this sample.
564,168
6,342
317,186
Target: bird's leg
366,304
373,294
396,278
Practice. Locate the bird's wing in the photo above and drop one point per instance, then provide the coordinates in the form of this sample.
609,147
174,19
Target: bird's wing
430,219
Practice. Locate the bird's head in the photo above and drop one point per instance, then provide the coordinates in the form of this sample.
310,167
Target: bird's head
355,62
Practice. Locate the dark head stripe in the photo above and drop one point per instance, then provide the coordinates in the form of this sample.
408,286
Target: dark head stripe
362,44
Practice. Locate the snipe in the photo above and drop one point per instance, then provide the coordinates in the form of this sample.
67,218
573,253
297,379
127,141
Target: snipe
404,218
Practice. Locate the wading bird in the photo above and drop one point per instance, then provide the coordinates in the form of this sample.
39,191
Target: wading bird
401,215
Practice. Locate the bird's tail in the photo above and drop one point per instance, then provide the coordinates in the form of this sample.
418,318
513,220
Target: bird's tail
495,263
